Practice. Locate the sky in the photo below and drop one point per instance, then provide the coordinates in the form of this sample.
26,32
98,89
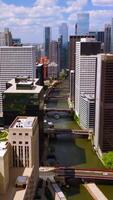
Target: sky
27,18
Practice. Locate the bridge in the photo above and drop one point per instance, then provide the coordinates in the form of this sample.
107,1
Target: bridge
57,110
64,132
57,97
82,174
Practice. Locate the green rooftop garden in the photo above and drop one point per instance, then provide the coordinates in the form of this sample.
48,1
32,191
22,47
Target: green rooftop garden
3,135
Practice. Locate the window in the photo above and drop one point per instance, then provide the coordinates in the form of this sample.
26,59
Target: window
26,142
20,142
14,142
26,134
14,156
20,133
14,133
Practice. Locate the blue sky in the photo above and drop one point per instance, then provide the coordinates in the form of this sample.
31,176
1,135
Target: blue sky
27,18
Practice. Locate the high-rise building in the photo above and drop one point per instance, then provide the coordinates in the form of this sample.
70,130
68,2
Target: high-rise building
53,51
40,73
23,96
72,61
19,164
100,36
60,60
112,36
52,70
104,103
6,38
47,40
63,32
87,111
82,25
107,38
86,61
16,61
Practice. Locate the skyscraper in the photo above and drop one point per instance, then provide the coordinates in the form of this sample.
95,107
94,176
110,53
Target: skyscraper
100,36
104,103
47,40
112,36
107,38
63,32
6,38
82,24
16,61
85,77
53,51
72,61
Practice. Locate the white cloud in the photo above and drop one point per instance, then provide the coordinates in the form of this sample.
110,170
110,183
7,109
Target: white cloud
103,2
73,5
98,18
22,20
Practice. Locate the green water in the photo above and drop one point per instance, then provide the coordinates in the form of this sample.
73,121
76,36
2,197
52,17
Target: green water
75,152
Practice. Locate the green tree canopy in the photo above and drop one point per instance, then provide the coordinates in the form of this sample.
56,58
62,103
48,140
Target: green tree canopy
108,159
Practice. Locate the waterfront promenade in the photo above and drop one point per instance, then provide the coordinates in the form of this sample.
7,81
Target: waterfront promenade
95,192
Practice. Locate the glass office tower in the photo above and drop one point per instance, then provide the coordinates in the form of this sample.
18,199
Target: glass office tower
47,40
82,24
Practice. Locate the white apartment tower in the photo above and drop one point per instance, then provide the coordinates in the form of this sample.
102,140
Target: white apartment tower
86,62
16,61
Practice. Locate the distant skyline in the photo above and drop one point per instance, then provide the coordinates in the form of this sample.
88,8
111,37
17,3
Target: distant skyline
27,18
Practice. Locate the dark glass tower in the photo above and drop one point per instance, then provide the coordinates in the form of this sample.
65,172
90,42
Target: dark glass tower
47,40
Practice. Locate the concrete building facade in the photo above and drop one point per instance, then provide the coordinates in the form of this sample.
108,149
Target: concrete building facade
104,103
72,59
86,63
87,111
53,51
6,38
4,166
24,140
53,70
16,61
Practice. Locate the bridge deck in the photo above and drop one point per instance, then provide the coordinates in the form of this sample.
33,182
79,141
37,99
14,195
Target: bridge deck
86,174
95,192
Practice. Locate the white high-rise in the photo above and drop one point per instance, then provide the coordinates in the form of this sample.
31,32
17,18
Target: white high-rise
86,61
16,61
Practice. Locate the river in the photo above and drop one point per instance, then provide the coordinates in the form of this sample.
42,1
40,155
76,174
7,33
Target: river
71,151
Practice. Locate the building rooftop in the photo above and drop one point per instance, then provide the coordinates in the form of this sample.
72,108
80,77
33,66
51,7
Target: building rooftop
23,122
24,86
9,47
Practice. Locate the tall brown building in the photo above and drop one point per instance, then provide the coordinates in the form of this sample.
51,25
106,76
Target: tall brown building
104,103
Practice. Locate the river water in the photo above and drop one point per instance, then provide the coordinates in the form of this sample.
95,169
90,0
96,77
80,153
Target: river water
76,152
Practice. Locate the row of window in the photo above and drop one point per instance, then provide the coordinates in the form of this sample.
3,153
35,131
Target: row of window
26,134
20,142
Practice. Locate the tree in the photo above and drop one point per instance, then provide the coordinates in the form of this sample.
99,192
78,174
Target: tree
62,74
108,159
